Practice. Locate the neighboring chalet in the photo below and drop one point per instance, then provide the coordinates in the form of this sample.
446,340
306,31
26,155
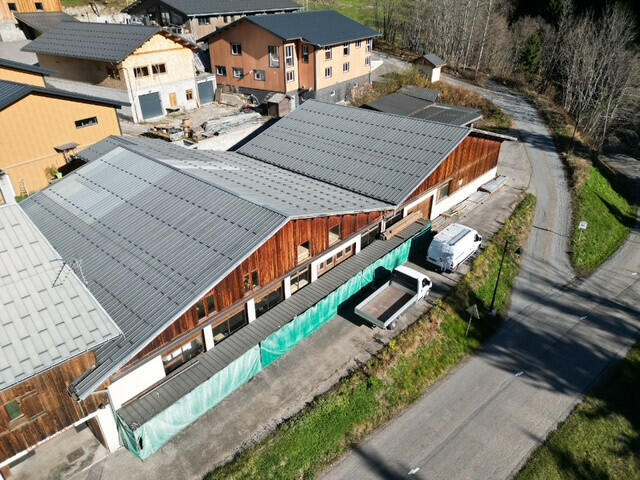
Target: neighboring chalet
201,17
154,67
321,55
431,65
40,127
36,23
421,103
51,325
210,254
8,8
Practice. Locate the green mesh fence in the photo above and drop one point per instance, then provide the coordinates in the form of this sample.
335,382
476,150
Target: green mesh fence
145,440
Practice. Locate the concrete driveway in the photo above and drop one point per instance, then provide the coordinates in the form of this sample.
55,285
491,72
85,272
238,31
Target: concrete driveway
485,418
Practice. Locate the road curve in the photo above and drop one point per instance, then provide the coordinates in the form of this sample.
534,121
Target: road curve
484,419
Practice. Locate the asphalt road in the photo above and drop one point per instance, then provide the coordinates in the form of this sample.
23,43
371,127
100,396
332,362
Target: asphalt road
485,418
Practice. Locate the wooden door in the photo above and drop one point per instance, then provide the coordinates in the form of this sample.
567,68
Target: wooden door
173,99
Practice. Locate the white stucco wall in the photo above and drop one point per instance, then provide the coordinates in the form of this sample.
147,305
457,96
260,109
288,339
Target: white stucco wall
136,381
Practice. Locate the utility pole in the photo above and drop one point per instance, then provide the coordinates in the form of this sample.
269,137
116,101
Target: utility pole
495,290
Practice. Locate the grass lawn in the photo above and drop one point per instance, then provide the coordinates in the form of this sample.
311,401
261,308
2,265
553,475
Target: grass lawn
359,10
601,438
308,443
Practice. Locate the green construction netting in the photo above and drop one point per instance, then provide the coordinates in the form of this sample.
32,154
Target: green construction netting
145,440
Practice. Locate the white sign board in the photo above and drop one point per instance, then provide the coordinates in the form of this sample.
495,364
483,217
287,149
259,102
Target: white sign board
583,225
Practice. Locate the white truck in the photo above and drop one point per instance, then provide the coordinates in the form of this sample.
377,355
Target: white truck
452,246
383,307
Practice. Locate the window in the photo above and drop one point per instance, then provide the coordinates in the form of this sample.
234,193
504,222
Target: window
443,191
251,281
336,259
269,300
236,48
346,48
39,6
335,234
86,122
140,72
225,19
393,220
288,55
305,53
300,279
259,75
291,76
367,60
12,7
210,303
205,307
304,251
189,94
221,70
327,53
328,72
201,312
238,72
113,72
226,327
345,67
13,410
183,353
369,236
159,68
203,21
274,56
359,44
369,44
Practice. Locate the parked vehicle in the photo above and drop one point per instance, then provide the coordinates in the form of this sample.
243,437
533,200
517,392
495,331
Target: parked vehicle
452,246
383,307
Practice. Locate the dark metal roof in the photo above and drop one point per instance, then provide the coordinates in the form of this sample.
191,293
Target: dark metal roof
434,60
321,28
25,67
108,42
399,103
150,240
375,154
452,114
426,94
11,92
275,188
220,7
43,21
211,362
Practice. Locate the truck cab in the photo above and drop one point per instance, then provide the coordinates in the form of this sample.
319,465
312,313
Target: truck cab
452,246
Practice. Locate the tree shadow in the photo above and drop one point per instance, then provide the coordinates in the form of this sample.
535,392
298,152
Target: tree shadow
629,221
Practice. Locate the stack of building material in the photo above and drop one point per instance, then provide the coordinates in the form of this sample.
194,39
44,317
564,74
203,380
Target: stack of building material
220,125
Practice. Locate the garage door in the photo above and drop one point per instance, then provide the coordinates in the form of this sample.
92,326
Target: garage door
205,92
151,105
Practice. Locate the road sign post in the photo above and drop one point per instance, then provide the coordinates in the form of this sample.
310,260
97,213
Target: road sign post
473,313
582,226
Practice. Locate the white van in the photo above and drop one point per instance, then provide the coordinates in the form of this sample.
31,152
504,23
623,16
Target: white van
452,246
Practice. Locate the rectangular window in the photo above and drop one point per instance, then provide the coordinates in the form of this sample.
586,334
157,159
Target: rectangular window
221,70
140,72
327,53
226,327
369,236
183,353
288,55
359,44
335,234
443,191
345,67
203,21
238,72
210,303
13,410
225,18
367,60
236,48
251,281
12,7
189,94
200,311
274,56
300,279
328,72
270,300
86,122
331,262
39,6
369,44
259,75
346,48
291,76
305,53
304,251
159,68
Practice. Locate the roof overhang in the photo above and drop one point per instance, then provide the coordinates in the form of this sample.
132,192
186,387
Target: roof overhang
500,137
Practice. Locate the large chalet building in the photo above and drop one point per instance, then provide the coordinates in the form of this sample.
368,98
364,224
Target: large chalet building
322,55
201,257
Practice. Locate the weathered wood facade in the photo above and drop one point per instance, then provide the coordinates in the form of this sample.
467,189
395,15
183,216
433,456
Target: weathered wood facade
46,406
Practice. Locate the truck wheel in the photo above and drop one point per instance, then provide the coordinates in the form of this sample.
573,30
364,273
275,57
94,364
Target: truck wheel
392,325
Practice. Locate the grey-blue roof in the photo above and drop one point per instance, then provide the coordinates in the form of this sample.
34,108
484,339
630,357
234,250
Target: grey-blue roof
379,155
107,42
25,67
398,103
320,28
220,7
262,183
47,315
151,241
452,114
11,92
426,94
43,21
434,59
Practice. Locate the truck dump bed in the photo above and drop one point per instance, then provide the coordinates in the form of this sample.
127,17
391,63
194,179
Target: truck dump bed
386,303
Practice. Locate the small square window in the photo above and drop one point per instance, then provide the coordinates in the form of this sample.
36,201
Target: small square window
327,53
304,251
12,7
335,234
345,67
359,44
159,68
328,72
443,191
238,72
13,410
140,72
346,49
200,310
221,70
189,94
39,6
236,48
259,75
251,281
291,76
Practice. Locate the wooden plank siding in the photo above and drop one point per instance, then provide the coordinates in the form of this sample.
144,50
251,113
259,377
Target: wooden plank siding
46,405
